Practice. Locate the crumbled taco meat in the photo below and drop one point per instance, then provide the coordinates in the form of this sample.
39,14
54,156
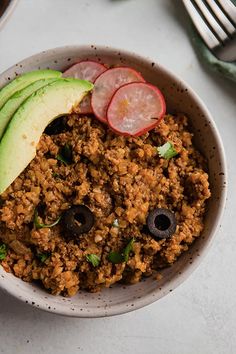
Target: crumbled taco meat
120,179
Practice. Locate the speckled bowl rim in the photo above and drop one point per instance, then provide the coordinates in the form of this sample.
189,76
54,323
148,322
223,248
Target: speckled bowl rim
117,309
9,10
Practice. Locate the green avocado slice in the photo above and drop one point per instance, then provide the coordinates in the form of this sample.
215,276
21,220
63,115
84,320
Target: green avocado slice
24,80
14,102
19,142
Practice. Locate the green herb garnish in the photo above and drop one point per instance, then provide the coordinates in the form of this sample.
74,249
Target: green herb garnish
38,225
128,249
167,151
55,175
43,256
115,223
116,257
94,259
65,155
3,251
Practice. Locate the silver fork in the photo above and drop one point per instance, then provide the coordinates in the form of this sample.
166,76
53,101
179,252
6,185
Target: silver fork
215,21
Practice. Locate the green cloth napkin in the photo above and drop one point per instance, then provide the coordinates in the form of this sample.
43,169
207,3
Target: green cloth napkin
224,68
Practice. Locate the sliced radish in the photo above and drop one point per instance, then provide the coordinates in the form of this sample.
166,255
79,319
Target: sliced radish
135,108
85,105
105,86
85,70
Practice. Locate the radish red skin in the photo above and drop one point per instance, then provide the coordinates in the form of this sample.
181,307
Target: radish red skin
132,76
146,129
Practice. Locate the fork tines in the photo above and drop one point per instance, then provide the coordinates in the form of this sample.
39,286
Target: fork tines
215,20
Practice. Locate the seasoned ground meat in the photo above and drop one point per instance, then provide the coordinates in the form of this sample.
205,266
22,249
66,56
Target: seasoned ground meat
119,179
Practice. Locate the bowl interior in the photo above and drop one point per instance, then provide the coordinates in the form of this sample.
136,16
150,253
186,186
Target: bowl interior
179,98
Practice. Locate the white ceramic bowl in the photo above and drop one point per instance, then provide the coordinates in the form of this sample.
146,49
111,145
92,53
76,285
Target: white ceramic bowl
180,98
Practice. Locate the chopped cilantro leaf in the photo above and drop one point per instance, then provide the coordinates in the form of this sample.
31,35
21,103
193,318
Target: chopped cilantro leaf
3,251
43,256
94,259
116,257
65,155
128,249
115,223
38,225
167,151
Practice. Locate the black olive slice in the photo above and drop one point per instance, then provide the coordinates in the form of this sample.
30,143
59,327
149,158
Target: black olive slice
58,126
78,220
161,223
